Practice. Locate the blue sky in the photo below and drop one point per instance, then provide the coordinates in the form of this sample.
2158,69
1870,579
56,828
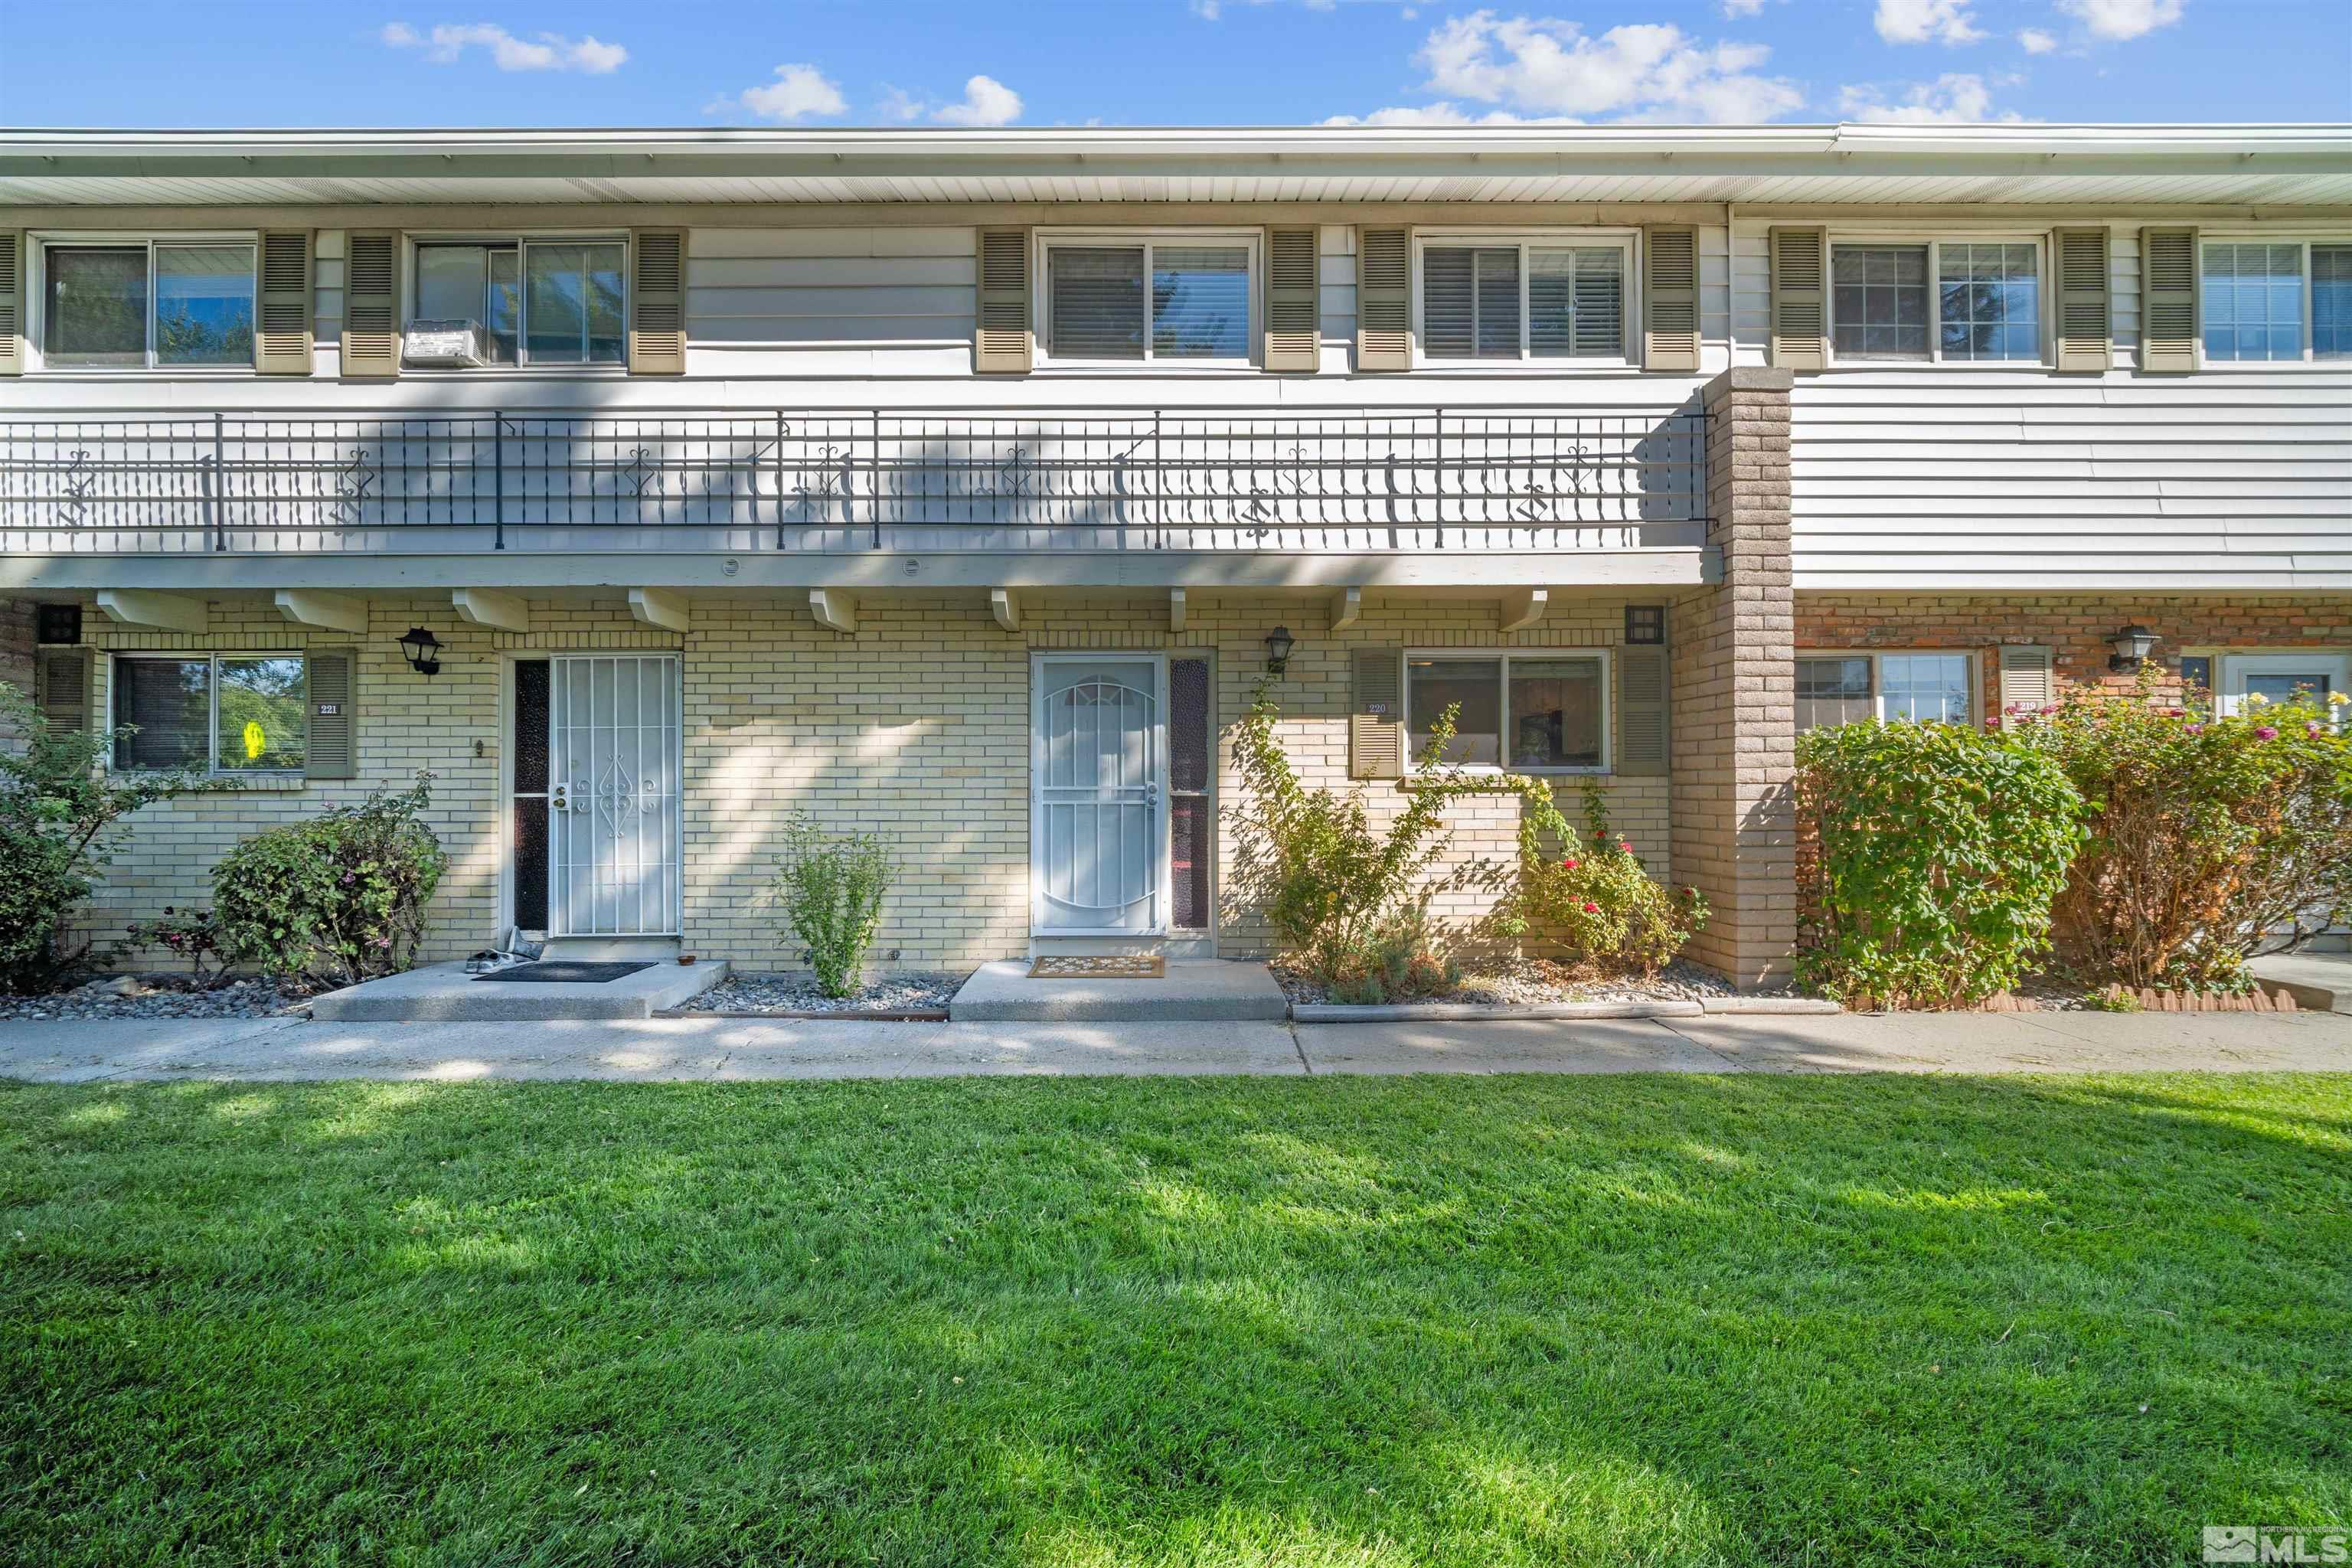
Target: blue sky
1170,62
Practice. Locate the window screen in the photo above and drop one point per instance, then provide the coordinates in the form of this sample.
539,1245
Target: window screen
1470,301
2331,301
2252,302
1556,715
1989,301
169,701
1191,821
1476,684
473,283
1880,301
1200,301
1576,303
96,310
1095,302
573,303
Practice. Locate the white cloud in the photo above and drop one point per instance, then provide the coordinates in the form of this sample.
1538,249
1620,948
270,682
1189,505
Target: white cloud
2121,19
1925,21
1736,8
798,92
1547,71
1955,98
986,101
540,52
2034,41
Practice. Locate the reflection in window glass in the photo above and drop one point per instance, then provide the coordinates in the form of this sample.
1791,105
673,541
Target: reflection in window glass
1576,303
1880,301
1556,714
573,303
2331,301
169,701
1476,684
261,715
95,312
1832,691
203,304
1990,299
1095,301
1926,688
2252,301
1200,301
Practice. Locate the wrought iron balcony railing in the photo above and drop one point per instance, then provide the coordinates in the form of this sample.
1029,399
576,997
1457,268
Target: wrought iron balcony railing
1488,477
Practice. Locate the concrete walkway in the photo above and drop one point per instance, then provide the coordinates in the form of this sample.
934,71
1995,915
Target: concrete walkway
704,1049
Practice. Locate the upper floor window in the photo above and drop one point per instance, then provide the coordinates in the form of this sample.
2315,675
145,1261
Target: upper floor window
1952,299
147,303
535,301
2253,303
1519,301
1148,299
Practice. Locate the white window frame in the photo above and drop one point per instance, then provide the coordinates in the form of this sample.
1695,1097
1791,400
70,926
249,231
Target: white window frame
36,297
212,767
2044,329
1627,242
2304,241
1503,698
521,239
1971,657
2231,669
1044,240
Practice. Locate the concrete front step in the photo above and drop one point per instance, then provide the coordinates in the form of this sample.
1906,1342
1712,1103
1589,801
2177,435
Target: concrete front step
2321,981
446,994
1215,989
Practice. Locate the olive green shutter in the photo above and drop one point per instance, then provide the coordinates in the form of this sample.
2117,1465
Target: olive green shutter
2027,680
1376,714
331,748
2168,298
1383,299
12,301
62,675
282,345
2085,336
372,302
658,301
1800,323
1670,298
1294,307
1642,679
1001,341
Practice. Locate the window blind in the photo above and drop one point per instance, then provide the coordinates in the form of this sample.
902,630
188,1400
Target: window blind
1096,303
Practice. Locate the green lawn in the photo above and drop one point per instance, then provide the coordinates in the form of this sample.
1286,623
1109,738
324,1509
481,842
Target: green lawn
1458,1320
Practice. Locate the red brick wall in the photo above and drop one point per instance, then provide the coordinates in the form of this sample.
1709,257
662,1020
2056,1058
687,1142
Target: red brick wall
2076,627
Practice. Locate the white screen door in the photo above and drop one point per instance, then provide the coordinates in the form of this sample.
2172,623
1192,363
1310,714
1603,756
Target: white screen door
1097,836
613,797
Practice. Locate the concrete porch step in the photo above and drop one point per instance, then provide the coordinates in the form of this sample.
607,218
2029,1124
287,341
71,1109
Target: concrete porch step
2319,981
1190,990
446,994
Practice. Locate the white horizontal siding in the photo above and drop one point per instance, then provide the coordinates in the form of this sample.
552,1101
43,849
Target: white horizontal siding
1956,478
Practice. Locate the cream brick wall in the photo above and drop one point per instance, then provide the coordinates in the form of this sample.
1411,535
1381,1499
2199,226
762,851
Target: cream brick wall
918,725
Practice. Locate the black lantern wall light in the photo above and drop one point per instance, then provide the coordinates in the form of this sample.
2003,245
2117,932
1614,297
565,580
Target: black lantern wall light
1278,643
2132,646
424,651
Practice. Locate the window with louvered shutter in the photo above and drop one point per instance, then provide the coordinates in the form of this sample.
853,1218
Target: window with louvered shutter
1800,311
333,715
1094,302
1644,747
1383,299
12,301
1470,301
371,303
2168,302
1294,306
1375,714
2027,682
2085,333
282,345
63,678
1576,303
1001,341
657,302
1670,299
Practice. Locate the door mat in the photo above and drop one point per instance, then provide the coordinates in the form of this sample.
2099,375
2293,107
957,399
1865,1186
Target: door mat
1108,966
566,972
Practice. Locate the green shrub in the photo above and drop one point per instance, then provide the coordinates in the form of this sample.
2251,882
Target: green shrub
1936,853
831,888
1398,964
340,899
2209,837
1593,893
60,812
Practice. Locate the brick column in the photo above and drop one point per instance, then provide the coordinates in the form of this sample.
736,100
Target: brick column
1734,707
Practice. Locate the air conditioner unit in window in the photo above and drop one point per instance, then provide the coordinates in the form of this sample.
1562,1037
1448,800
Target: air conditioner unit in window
459,344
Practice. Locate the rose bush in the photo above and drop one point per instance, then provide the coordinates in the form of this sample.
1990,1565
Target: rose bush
1592,893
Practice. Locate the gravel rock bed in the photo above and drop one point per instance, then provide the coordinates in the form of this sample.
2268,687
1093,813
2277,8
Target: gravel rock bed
157,996
1525,981
798,994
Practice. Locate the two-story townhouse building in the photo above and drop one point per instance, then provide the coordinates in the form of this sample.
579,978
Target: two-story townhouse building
645,486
